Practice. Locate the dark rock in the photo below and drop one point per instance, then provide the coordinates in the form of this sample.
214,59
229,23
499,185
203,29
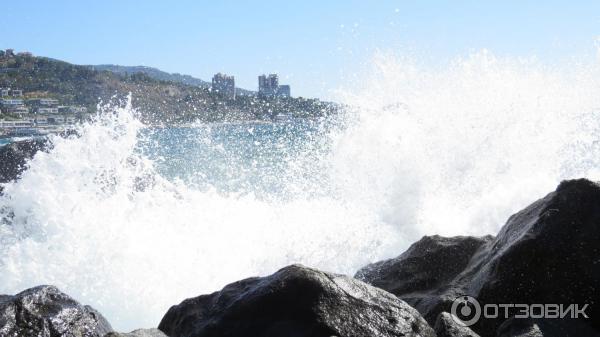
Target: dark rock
514,327
547,253
14,156
295,301
44,311
446,326
421,274
519,328
139,333
427,265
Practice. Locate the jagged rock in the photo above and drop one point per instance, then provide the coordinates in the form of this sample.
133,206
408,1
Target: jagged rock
427,265
139,333
421,274
445,326
13,157
519,328
44,311
547,253
295,301
545,328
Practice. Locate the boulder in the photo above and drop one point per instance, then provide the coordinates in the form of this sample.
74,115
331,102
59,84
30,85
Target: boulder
547,253
44,311
514,327
14,156
446,326
138,333
295,301
519,328
422,274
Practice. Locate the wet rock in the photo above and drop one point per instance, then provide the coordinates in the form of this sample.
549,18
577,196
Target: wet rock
547,253
446,326
514,327
14,156
295,301
421,274
427,265
139,333
44,311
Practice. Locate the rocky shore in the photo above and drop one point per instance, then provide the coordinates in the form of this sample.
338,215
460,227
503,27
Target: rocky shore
14,157
546,254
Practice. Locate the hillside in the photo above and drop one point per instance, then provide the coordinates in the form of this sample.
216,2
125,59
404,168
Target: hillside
158,101
160,75
153,73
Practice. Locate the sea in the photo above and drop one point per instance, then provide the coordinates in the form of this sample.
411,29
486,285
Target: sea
132,218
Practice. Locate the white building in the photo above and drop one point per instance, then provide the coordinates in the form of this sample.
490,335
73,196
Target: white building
40,121
12,124
11,101
13,105
46,111
56,120
43,102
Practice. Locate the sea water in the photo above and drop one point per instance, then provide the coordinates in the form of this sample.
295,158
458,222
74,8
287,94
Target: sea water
133,219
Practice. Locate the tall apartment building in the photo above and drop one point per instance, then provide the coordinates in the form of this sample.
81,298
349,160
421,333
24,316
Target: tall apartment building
224,85
283,91
268,86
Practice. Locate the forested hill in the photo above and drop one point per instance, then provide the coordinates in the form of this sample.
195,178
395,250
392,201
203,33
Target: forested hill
158,74
154,73
158,101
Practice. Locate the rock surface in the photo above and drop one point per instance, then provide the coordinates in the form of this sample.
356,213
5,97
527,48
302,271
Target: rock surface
295,301
421,274
545,328
44,311
445,326
547,253
14,156
138,333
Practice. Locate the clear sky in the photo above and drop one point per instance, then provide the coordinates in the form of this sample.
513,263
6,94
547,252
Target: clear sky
313,45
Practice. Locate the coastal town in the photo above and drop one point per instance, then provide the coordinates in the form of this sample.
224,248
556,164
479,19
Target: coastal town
41,95
35,116
268,86
23,114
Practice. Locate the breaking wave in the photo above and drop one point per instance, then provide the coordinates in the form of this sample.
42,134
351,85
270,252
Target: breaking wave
132,220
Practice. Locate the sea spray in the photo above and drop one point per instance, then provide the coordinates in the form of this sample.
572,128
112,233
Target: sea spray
97,219
132,219
456,149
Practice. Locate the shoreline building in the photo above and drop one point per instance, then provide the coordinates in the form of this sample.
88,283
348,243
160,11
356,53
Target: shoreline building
224,84
13,106
44,105
268,86
283,90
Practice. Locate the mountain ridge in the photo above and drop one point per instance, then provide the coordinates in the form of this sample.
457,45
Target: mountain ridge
156,101
162,75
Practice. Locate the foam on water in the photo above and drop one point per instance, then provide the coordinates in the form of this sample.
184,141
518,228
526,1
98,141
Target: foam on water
453,150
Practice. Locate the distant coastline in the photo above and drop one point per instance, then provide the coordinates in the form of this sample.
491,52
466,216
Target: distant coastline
156,100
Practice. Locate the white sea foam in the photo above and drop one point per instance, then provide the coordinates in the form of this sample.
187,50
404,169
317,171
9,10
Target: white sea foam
453,150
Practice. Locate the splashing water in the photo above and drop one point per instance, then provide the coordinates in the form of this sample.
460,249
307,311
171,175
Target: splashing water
132,220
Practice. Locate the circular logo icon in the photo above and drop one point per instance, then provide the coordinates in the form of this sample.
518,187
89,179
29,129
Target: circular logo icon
465,310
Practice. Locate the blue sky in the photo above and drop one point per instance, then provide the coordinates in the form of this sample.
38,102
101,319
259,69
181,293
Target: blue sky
314,45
